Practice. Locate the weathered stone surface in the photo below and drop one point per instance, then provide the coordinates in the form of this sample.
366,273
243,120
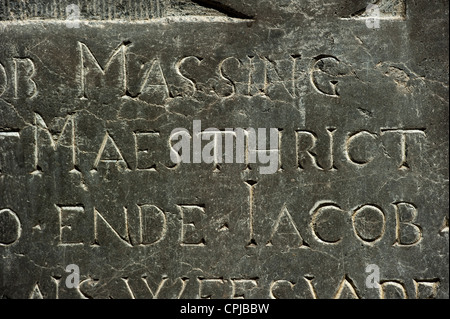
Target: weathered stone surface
360,110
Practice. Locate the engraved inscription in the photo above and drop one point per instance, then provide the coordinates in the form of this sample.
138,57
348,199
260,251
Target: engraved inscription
202,149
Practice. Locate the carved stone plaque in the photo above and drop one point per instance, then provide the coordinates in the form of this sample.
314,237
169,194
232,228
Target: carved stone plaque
224,149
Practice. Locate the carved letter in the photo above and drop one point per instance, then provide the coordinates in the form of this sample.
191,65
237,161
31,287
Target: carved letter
304,153
113,153
403,145
398,291
194,217
144,161
3,135
283,223
406,222
23,78
243,284
203,282
65,139
152,215
3,80
347,284
86,55
10,226
124,237
317,66
348,145
428,287
316,225
184,145
67,220
369,223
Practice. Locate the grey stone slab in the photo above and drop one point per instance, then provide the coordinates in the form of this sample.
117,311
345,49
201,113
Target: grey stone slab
351,201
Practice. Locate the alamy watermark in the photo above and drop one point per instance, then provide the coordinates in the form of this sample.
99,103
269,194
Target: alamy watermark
373,13
73,279
373,279
73,16
241,146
